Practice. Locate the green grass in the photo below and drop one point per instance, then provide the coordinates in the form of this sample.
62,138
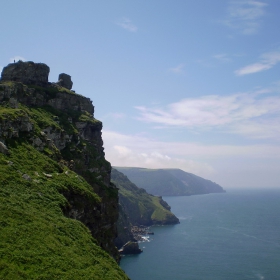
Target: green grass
11,114
142,208
36,240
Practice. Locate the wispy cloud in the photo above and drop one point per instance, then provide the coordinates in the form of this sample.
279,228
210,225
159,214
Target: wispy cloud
267,61
214,162
177,69
222,57
137,151
17,58
245,15
232,113
127,24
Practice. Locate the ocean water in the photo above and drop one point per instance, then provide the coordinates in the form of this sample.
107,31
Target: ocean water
235,236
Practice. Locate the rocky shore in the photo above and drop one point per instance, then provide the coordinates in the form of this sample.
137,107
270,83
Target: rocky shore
139,232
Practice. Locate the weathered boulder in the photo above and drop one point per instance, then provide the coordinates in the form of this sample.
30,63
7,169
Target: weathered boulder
64,80
26,73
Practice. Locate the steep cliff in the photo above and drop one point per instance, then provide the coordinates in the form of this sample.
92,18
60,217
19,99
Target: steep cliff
138,208
51,151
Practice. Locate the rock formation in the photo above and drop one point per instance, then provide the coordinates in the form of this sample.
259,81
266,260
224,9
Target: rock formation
64,80
60,123
26,73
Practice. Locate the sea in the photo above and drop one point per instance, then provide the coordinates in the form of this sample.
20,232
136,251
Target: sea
225,236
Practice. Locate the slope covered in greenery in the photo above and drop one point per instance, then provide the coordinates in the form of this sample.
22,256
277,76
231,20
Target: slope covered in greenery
167,182
141,207
36,239
58,209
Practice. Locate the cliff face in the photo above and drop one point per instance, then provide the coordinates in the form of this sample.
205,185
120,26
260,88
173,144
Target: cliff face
60,124
138,208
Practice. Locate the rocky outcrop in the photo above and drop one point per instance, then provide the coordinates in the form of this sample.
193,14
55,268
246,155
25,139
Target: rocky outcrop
137,211
64,80
26,73
50,95
60,123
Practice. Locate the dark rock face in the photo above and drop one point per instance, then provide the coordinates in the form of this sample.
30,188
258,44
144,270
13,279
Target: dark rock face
48,95
64,80
26,73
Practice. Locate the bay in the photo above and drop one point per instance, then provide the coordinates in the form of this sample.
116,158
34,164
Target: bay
235,235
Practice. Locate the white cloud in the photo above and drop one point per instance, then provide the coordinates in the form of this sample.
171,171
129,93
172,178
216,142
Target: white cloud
245,15
223,57
17,58
178,69
226,113
267,61
130,150
261,129
228,165
127,24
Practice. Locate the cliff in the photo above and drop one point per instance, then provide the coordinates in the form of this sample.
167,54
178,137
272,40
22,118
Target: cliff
138,208
165,182
58,207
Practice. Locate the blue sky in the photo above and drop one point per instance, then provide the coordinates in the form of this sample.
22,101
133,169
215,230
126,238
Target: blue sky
177,84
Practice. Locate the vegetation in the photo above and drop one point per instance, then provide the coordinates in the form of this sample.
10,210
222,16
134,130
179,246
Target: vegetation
39,189
37,240
141,207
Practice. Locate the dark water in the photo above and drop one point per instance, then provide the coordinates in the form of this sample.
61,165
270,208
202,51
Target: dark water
221,236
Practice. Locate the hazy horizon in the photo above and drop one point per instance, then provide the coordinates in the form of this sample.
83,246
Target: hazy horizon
192,85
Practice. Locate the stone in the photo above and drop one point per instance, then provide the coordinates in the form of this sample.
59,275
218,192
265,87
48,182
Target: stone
64,80
3,149
47,175
26,73
26,177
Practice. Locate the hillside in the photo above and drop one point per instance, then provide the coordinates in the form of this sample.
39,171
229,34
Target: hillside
169,182
139,207
58,208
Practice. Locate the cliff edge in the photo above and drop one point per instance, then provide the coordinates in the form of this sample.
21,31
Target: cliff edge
58,206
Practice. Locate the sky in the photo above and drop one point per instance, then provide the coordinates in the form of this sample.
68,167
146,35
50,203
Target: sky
189,84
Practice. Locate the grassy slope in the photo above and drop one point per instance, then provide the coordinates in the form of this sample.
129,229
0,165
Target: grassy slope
142,208
36,240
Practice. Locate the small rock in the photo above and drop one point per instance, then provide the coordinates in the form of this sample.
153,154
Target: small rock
47,175
3,149
26,177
